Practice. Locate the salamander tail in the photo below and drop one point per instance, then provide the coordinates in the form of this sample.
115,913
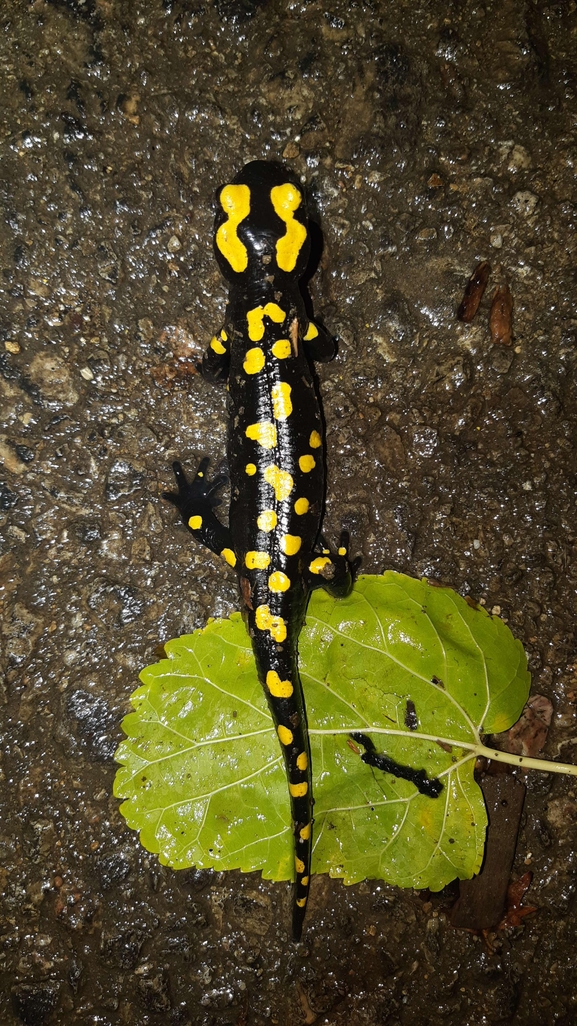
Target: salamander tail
303,850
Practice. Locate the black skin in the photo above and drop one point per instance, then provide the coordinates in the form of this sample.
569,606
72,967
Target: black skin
274,613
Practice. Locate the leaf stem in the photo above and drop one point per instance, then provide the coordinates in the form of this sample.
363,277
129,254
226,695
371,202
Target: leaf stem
525,761
476,749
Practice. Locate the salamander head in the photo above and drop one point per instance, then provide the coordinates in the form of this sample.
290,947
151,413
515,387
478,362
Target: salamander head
261,227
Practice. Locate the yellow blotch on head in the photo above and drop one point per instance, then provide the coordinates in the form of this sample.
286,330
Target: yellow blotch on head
195,523
282,349
250,469
278,581
275,625
302,506
224,335
264,433
255,319
312,332
305,832
277,687
298,790
285,200
230,557
257,560
280,480
235,201
285,735
299,865
317,566
217,346
282,406
290,544
267,520
302,761
301,902
254,360
307,463
315,440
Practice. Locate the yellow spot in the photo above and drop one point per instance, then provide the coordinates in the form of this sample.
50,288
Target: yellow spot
302,761
315,440
267,520
312,332
302,506
278,581
255,319
282,406
264,433
307,463
290,544
224,335
304,882
195,523
285,735
250,469
282,349
230,557
301,902
317,566
235,201
298,790
277,687
299,865
274,624
342,551
254,360
305,832
280,480
285,200
277,629
217,346
257,560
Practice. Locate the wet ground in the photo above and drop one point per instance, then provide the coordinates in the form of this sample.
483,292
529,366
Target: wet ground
432,135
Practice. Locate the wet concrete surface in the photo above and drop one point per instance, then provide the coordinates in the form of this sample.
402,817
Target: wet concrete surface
432,136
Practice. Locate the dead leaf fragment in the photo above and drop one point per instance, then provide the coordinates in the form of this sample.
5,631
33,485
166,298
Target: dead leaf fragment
516,911
501,316
529,734
310,1016
474,292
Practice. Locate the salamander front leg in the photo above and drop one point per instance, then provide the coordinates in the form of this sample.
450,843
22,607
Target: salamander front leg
216,360
195,501
319,345
332,570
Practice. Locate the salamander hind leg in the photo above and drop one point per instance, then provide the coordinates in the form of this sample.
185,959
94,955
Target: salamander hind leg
195,501
332,570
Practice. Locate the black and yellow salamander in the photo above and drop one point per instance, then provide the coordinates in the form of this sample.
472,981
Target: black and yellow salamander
275,458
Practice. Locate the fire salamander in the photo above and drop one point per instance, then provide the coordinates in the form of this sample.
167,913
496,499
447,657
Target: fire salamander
275,458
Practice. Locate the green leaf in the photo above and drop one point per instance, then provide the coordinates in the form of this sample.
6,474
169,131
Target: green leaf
202,773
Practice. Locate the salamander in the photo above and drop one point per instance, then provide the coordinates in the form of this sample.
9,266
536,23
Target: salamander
275,458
